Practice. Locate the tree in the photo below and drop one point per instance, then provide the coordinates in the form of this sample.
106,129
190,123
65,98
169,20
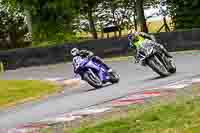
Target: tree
116,12
87,8
164,14
140,6
48,19
140,16
12,27
161,5
185,14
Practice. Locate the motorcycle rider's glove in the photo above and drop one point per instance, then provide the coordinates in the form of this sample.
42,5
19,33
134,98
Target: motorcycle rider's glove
153,38
136,61
136,58
90,55
129,44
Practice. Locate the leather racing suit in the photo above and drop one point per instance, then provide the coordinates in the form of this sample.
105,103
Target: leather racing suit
141,38
89,54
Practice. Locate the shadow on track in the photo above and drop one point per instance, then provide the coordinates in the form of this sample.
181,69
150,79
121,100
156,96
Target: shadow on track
159,77
93,89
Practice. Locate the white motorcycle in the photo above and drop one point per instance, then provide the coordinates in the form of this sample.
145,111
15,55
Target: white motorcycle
149,55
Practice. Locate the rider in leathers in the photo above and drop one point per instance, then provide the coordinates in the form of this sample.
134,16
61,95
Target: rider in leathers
137,39
88,54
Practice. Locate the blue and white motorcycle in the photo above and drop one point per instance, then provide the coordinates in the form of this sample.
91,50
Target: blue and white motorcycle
94,73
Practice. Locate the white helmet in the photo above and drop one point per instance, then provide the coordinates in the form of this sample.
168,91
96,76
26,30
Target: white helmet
74,51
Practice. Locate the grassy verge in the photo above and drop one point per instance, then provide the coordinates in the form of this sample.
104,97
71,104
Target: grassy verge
164,115
177,113
18,91
164,118
169,118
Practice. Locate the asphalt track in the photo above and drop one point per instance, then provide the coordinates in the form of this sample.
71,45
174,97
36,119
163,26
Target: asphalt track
133,78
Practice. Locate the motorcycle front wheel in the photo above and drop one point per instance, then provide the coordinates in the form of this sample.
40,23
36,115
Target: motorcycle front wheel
157,66
92,79
172,68
114,77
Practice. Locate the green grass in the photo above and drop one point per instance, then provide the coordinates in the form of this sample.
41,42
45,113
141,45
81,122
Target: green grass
174,117
17,91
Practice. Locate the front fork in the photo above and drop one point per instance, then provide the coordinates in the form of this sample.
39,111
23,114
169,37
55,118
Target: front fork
100,74
165,61
93,74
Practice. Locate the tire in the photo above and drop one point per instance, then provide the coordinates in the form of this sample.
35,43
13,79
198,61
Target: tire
93,81
157,66
114,77
172,66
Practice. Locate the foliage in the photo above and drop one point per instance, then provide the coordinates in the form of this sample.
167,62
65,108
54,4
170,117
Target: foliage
52,20
87,9
56,21
48,17
185,14
111,12
149,3
107,13
12,27
118,12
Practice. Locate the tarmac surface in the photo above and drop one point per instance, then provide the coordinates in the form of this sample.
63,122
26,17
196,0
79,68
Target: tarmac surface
133,78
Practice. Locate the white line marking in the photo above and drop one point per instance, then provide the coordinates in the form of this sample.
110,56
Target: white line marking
175,86
54,79
195,80
73,116
66,118
91,111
